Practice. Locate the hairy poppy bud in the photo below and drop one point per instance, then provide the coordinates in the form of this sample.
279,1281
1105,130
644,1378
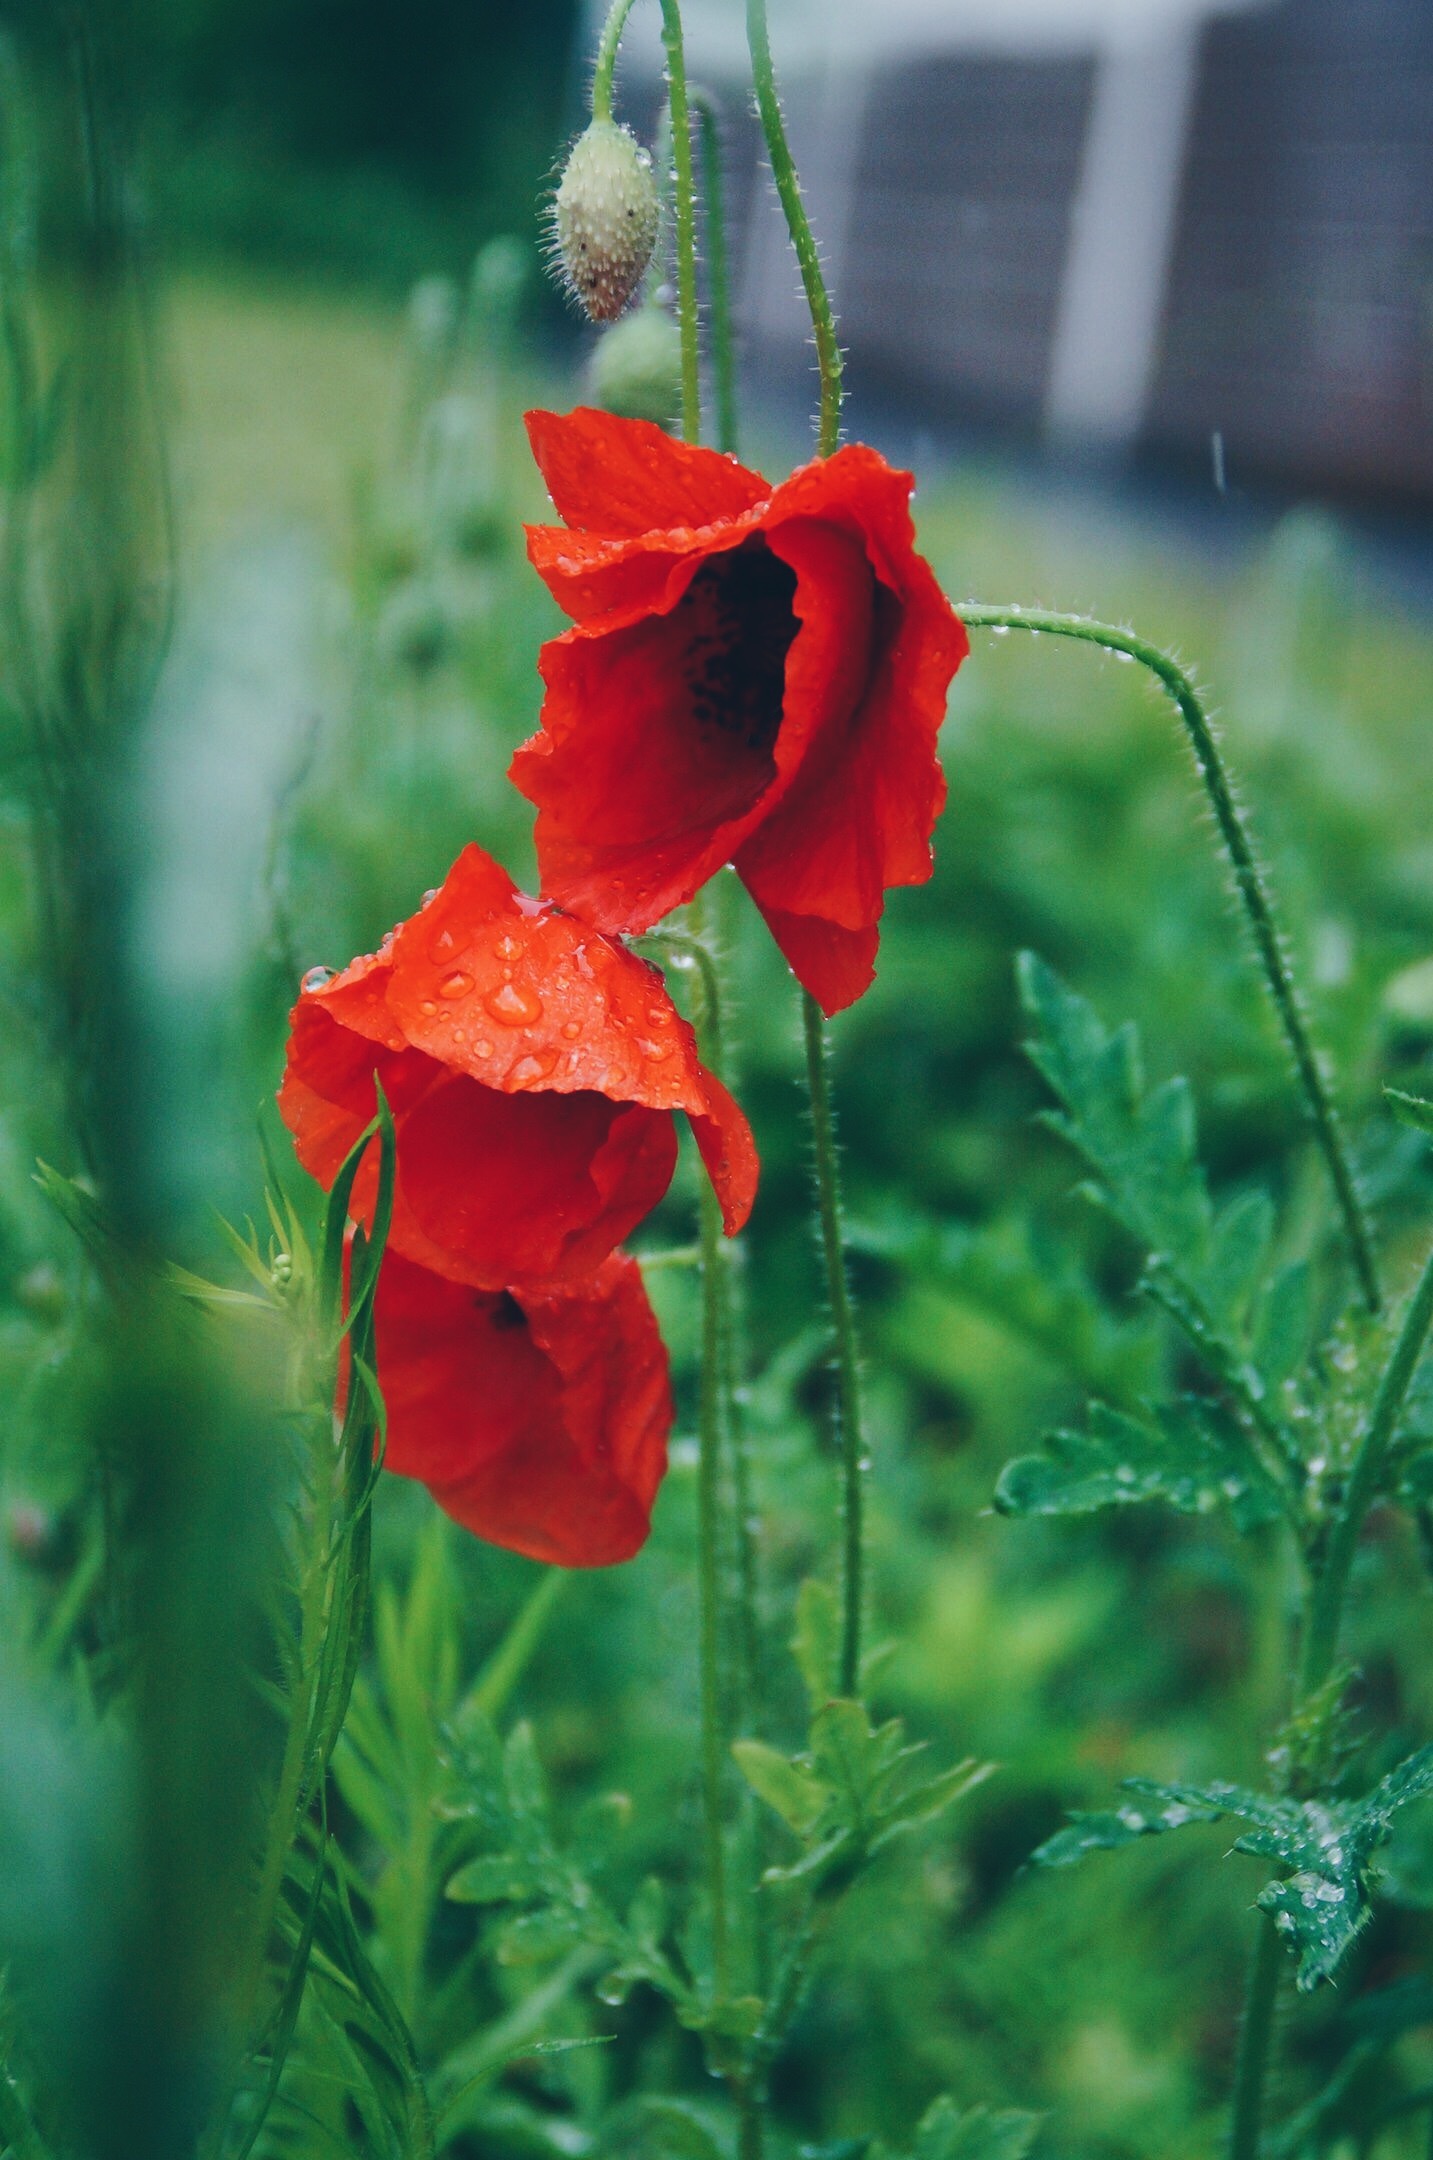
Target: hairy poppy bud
604,219
637,368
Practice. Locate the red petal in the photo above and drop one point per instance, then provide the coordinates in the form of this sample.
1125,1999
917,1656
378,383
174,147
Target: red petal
837,966
539,1421
728,1150
627,477
640,795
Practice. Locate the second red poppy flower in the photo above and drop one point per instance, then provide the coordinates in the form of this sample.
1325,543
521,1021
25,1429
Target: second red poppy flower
533,1068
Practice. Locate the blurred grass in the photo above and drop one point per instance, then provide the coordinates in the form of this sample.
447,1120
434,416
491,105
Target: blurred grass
1072,1655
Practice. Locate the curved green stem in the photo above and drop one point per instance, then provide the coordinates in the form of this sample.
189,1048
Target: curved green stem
606,60
845,1353
684,190
788,188
718,271
1253,893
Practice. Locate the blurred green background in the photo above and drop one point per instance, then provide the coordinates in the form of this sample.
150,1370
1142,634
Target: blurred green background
353,660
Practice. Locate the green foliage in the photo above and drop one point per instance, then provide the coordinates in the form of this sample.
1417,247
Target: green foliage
1189,1454
1324,1849
982,2134
855,1788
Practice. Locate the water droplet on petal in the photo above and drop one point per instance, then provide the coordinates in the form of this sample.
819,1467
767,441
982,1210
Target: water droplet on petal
482,1048
316,978
514,1005
658,1016
456,985
529,1070
571,1029
509,947
427,1008
442,944
656,1053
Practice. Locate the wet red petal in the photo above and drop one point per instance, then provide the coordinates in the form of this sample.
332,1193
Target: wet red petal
538,1420
625,477
531,1066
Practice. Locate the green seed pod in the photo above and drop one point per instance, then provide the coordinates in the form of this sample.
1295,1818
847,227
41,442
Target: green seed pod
636,371
604,219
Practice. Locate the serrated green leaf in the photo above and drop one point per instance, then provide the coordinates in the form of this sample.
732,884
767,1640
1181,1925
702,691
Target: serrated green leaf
1283,1323
1414,1110
945,2133
495,1879
1192,1456
534,1937
677,2130
522,1774
791,1788
922,1803
1086,1834
815,1638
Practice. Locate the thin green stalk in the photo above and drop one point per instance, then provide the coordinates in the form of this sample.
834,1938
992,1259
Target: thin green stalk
714,1739
1331,1589
1253,893
718,271
606,60
788,188
1320,1651
686,219
1256,2038
845,1353
685,182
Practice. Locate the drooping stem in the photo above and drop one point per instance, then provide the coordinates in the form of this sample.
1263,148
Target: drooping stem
1256,2040
606,60
1320,1649
1253,893
788,188
844,1350
684,182
684,188
723,350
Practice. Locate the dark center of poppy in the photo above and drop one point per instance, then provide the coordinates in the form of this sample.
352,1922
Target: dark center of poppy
738,627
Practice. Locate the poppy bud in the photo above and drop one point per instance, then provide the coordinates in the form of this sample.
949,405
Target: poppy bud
604,219
636,370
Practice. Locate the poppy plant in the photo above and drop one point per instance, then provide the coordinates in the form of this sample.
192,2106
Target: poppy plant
755,675
538,1419
532,1067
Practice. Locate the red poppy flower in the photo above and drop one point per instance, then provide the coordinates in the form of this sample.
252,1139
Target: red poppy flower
756,675
532,1067
537,1419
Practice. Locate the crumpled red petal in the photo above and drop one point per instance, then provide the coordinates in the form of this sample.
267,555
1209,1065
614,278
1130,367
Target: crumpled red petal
700,712
532,1067
538,1419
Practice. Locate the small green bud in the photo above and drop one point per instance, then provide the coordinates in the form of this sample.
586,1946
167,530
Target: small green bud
604,219
636,371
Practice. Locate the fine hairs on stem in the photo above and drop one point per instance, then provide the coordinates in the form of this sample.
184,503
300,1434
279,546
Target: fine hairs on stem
1253,894
845,1357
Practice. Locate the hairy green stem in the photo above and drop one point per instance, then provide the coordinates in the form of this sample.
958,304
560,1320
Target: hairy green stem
1331,1589
1253,893
684,189
606,60
723,350
844,1349
714,1739
1256,2039
684,182
788,188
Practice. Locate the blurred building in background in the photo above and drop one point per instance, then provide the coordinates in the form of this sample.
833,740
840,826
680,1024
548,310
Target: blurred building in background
1200,227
